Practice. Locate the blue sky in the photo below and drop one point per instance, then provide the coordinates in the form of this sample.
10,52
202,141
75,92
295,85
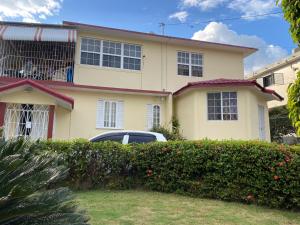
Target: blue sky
183,18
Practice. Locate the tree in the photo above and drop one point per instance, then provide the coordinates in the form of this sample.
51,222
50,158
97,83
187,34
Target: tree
291,10
280,124
27,188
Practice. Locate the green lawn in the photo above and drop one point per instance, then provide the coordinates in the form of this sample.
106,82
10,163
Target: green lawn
138,207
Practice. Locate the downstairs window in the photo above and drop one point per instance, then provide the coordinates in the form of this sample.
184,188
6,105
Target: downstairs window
222,106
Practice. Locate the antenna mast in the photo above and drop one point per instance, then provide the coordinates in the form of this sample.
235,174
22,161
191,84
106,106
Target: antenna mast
162,27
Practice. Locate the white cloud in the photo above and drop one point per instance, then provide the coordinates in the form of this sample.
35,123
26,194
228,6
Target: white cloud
253,7
202,4
28,10
266,54
247,8
181,16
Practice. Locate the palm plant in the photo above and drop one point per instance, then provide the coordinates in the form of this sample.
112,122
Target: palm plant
27,188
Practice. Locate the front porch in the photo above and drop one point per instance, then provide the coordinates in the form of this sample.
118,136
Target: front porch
31,121
27,109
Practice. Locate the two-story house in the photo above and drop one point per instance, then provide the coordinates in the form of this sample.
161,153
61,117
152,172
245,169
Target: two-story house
77,80
278,76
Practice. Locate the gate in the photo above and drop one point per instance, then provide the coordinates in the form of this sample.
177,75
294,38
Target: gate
26,120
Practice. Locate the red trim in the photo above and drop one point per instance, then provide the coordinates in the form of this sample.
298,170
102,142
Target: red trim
2,113
91,87
51,121
40,87
227,83
69,23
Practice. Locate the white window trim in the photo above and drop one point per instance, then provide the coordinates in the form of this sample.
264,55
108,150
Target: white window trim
151,116
190,63
110,54
119,124
87,51
102,53
221,92
110,113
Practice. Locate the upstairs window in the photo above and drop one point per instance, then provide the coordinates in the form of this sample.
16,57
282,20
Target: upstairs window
222,106
273,79
268,80
132,57
110,54
189,64
90,51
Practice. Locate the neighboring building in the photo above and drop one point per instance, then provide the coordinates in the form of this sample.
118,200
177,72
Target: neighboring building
278,76
76,81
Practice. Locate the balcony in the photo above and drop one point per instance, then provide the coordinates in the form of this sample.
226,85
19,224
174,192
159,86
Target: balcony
37,60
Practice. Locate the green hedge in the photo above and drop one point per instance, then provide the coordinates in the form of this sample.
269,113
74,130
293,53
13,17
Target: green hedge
244,171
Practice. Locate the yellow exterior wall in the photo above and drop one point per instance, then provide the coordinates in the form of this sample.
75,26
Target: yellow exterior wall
81,121
289,76
159,67
191,110
25,97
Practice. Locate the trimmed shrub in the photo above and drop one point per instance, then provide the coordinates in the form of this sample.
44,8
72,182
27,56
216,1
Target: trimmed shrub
245,171
103,164
256,172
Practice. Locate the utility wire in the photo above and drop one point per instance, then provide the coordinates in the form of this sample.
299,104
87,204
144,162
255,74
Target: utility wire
220,20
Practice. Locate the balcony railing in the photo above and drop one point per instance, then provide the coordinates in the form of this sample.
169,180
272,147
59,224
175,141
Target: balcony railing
37,60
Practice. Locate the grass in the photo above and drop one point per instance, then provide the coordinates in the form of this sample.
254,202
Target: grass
144,208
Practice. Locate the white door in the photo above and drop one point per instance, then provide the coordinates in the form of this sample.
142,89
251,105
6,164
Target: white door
261,122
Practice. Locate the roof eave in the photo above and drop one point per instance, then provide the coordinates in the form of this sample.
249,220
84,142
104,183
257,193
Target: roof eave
246,51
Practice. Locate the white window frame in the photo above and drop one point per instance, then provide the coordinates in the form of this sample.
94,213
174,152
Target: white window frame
154,116
150,115
100,114
87,51
131,57
121,54
110,113
221,98
102,53
190,63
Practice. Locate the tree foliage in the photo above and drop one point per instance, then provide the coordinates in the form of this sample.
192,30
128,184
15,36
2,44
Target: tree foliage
170,134
291,10
293,104
280,124
25,193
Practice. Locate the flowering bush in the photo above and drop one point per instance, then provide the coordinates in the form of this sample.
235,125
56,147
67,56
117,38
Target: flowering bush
245,171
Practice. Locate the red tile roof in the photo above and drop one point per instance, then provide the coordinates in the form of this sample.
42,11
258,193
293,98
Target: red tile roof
40,87
227,83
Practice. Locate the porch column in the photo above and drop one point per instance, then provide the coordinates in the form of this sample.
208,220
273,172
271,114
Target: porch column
2,113
51,121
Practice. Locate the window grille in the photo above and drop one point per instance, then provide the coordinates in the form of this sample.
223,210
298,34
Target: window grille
26,120
37,60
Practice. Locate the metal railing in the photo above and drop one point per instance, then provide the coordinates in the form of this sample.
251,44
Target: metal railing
37,60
